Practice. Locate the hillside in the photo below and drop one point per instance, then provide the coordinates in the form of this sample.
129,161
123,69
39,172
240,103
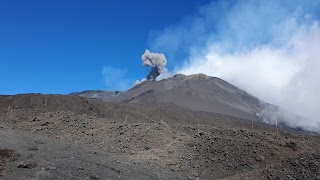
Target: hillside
71,137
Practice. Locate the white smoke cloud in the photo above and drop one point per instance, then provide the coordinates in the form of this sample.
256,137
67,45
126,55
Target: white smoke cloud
269,48
139,82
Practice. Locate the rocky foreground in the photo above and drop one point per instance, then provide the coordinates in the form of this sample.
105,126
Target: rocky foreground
70,137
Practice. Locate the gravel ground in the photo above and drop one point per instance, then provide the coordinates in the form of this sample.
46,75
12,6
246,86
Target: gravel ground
69,137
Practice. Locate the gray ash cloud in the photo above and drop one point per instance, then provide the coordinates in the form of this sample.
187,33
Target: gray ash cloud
157,62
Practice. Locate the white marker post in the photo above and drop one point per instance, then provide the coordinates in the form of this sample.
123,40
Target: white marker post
125,119
9,112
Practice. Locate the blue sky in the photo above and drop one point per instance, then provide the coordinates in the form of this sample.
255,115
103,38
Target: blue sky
62,46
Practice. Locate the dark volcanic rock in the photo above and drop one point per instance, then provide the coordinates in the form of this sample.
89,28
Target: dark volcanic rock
164,141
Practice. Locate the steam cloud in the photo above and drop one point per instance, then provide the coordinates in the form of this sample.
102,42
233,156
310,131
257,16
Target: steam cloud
268,48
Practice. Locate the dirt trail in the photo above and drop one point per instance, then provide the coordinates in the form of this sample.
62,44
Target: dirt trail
46,158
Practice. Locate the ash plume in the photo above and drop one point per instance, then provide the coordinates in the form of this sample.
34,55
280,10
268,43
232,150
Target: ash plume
156,61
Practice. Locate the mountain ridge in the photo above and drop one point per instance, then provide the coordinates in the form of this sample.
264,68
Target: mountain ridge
197,92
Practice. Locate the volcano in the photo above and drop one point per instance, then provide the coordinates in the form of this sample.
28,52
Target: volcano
196,92
183,127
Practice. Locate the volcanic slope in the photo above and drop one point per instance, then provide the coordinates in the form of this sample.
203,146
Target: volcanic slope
71,137
196,92
97,94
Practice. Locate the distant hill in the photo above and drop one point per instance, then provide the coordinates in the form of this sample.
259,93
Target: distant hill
97,94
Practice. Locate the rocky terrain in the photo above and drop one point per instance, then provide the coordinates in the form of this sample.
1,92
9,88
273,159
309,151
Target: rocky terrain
73,137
